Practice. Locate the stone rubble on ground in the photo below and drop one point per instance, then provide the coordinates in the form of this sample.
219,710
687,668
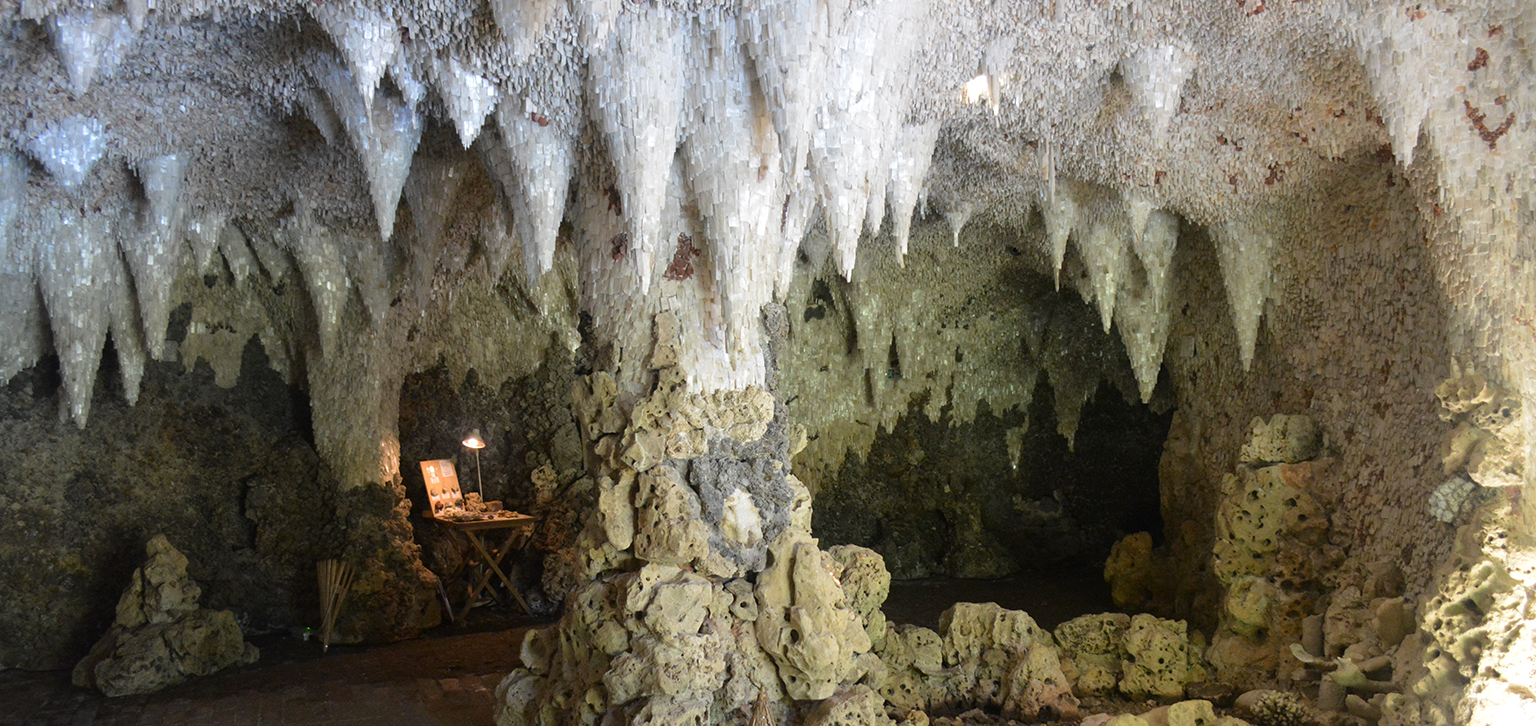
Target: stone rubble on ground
160,636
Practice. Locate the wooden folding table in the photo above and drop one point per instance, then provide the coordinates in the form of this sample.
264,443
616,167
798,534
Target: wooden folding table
446,503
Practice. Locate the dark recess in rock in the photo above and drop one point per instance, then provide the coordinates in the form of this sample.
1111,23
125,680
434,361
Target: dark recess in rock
936,499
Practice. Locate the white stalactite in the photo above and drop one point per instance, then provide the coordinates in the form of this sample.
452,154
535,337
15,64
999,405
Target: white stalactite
594,22
863,105
384,137
237,254
123,323
1105,247
1059,211
523,22
1155,78
1142,312
909,168
325,275
74,275
366,38
788,42
403,72
1411,64
202,235
91,44
541,158
468,95
958,216
636,99
68,148
22,335
732,167
152,249
1244,247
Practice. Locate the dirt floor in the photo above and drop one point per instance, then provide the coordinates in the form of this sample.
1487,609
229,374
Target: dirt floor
448,677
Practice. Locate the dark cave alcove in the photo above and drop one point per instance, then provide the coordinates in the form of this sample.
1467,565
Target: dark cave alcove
945,505
527,427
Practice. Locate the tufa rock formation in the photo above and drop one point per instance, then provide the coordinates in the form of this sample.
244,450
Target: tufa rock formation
161,637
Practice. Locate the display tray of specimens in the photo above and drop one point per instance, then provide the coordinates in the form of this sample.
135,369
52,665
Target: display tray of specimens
447,502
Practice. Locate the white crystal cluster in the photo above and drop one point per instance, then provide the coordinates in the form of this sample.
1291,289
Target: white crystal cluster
1450,499
1126,247
384,132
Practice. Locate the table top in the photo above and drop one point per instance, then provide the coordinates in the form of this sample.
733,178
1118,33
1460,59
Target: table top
499,523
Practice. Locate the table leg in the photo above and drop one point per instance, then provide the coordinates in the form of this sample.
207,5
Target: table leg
493,561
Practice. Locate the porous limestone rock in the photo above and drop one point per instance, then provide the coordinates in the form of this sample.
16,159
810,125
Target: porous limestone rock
856,706
866,583
1159,661
1092,649
1272,550
1191,713
1126,719
986,657
161,637
1488,443
696,591
804,621
1477,646
668,527
1132,571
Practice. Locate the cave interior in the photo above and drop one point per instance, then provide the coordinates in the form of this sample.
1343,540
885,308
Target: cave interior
1197,330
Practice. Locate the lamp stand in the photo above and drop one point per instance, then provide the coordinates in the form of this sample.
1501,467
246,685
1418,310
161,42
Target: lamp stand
479,485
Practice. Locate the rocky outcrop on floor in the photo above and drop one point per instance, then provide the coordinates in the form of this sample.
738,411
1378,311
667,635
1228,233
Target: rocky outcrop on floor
161,637
983,657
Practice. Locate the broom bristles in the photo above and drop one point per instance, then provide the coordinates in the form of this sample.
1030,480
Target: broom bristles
335,580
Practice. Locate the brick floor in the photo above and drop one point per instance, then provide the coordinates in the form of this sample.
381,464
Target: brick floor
443,680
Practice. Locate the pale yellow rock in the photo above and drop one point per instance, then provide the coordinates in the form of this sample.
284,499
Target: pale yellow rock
804,623
855,706
1191,713
1129,569
866,582
968,628
535,650
1157,662
1248,605
1037,689
615,509
911,646
668,525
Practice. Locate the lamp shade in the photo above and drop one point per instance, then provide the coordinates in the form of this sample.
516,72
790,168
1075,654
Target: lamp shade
474,441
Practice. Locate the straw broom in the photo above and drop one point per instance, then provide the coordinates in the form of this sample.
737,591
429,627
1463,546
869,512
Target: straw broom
335,580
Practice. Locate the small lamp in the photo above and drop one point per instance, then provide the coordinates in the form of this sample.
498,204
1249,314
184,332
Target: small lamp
473,441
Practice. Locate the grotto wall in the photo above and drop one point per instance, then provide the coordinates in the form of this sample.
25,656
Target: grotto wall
1365,376
227,474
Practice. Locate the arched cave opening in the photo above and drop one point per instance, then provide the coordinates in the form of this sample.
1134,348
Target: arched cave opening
957,520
